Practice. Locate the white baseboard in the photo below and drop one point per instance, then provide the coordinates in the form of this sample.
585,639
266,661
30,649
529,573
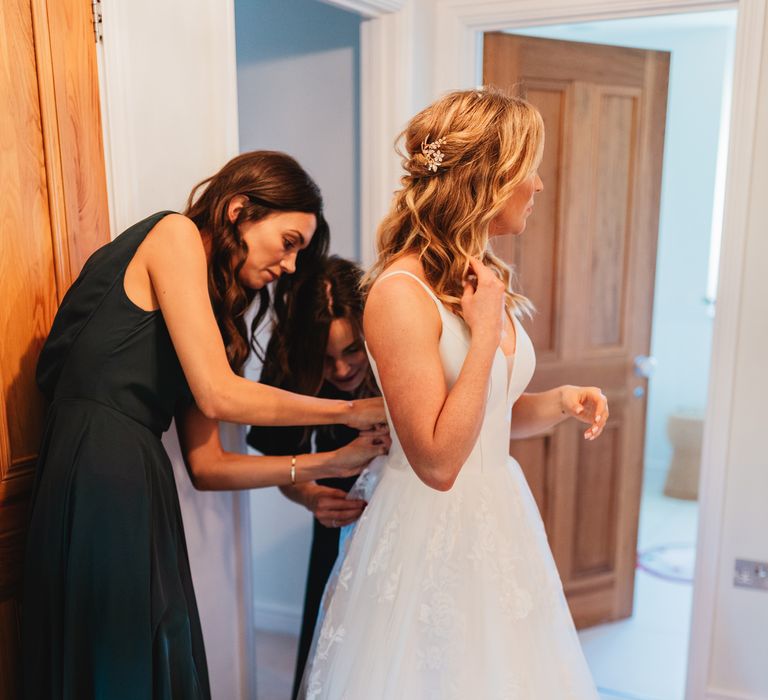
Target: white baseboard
277,618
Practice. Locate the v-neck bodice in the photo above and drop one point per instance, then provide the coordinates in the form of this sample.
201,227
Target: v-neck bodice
506,385
519,365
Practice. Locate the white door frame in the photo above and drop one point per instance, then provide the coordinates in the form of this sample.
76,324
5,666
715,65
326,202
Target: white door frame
413,52
122,96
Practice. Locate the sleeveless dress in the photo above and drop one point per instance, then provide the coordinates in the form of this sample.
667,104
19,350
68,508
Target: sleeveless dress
451,595
109,610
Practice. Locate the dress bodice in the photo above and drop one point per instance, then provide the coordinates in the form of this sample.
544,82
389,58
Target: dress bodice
505,388
104,348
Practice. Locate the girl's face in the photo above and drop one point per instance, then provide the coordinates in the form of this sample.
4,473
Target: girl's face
346,362
273,243
514,216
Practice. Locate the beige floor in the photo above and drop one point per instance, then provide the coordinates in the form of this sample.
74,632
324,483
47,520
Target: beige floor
275,660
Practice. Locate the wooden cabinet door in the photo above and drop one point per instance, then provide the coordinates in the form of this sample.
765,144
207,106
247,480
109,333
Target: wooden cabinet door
587,261
53,214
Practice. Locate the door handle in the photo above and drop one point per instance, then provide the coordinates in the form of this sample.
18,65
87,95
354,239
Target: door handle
645,365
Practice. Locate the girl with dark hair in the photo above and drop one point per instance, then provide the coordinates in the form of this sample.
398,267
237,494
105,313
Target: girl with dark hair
317,348
154,327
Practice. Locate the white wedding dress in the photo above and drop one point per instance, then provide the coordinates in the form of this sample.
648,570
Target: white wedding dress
450,595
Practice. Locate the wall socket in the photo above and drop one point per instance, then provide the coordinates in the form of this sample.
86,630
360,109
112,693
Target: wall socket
751,574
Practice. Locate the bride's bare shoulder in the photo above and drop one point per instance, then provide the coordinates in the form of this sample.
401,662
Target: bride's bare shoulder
387,279
389,287
397,300
406,263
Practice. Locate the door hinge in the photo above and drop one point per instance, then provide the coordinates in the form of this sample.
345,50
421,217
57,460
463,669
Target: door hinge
98,26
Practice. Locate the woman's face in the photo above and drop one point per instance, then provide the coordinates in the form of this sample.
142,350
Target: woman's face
273,244
513,217
346,362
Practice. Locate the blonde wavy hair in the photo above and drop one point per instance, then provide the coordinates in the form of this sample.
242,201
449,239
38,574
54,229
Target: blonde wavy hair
490,142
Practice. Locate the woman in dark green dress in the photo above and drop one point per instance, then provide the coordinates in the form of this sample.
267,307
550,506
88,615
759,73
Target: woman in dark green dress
154,327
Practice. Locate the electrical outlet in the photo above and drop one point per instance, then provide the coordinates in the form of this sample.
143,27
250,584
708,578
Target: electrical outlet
751,574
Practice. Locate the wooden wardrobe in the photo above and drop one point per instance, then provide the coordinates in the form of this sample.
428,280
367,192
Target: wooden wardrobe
53,214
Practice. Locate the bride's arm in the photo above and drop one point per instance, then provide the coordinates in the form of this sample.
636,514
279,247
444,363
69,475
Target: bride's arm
437,428
535,413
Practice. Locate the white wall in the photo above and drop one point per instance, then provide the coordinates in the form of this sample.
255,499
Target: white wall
297,81
739,667
681,342
170,118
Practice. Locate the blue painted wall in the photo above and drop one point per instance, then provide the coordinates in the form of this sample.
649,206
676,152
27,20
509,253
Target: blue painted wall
298,91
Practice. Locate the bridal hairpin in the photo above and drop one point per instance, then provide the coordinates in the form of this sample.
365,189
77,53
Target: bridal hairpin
432,153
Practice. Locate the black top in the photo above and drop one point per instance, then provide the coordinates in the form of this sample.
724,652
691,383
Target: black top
105,348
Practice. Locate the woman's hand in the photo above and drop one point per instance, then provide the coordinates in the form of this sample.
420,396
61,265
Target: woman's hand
587,404
483,304
350,459
331,506
366,414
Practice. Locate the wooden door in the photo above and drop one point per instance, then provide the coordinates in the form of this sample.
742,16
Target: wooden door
53,214
587,261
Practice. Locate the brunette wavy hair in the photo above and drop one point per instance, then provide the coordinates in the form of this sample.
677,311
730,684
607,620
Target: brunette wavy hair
272,182
295,355
489,143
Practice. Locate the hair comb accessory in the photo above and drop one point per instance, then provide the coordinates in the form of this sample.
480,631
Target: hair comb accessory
432,153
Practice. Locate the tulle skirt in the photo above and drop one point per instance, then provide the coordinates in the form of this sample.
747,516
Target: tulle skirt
442,595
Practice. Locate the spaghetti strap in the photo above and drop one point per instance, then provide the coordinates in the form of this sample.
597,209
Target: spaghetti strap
437,301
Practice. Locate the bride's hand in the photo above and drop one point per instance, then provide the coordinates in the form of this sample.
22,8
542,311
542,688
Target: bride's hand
350,459
483,304
366,413
587,404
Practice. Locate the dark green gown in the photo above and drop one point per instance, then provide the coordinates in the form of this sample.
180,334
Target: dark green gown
109,611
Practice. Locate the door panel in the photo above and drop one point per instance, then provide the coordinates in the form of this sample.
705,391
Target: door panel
615,134
76,85
595,507
24,207
587,261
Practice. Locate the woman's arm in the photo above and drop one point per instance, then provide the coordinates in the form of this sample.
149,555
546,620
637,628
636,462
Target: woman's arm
437,427
211,468
175,261
330,506
533,414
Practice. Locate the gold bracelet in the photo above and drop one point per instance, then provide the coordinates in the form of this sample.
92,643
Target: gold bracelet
293,469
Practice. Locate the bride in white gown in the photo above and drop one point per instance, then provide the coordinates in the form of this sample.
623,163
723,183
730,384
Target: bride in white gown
447,588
